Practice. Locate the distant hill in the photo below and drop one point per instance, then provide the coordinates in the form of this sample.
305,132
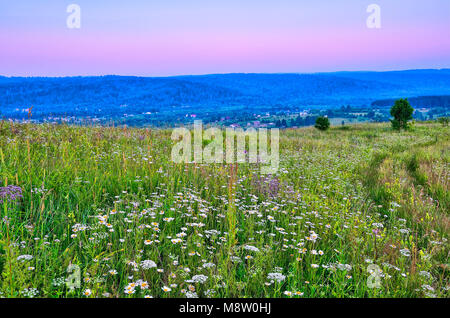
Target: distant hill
222,93
420,101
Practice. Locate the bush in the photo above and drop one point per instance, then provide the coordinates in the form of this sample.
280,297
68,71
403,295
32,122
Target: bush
443,120
322,123
402,112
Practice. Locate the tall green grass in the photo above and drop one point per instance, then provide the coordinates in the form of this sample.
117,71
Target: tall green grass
108,199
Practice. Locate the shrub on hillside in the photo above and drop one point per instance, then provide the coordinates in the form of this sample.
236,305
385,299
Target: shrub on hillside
322,123
443,120
402,113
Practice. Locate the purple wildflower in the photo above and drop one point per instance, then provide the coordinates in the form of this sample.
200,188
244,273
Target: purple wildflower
11,193
268,185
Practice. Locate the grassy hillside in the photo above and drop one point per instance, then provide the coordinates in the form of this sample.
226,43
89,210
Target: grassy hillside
350,210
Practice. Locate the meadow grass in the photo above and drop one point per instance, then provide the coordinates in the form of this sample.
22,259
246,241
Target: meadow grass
360,212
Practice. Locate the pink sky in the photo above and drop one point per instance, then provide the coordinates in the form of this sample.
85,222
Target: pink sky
48,48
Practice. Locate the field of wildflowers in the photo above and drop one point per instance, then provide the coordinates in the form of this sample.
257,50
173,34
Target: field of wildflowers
104,212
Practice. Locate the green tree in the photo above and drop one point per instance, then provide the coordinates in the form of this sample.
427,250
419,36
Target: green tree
322,123
443,120
402,112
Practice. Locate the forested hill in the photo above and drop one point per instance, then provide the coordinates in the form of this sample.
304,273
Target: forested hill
76,96
421,101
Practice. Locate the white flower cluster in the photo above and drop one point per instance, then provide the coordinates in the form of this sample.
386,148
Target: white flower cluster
147,264
25,257
276,277
198,279
251,248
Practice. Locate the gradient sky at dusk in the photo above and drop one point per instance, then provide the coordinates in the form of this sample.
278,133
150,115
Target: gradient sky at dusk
171,37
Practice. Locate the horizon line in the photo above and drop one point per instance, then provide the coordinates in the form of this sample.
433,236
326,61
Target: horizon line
230,73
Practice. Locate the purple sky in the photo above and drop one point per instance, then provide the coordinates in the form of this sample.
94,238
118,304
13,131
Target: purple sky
171,37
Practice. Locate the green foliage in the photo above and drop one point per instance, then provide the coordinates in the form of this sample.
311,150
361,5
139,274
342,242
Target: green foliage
443,120
2,257
322,123
402,113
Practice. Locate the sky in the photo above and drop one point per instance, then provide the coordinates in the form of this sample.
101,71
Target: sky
179,37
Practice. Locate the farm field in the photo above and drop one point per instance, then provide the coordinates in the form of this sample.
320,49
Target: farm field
356,211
